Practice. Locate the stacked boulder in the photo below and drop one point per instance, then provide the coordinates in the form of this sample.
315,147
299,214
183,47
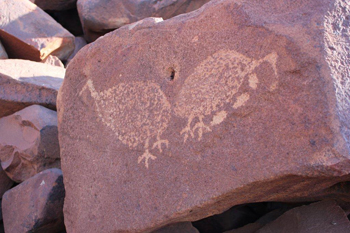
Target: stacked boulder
207,122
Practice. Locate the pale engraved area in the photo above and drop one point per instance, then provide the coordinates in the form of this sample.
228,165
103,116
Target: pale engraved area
213,84
137,112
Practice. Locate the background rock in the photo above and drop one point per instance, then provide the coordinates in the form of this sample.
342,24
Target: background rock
36,204
5,182
235,104
28,142
23,83
79,44
101,16
324,216
3,54
182,227
57,5
30,33
53,60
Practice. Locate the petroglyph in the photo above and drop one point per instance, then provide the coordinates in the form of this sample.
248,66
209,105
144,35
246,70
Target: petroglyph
213,84
137,112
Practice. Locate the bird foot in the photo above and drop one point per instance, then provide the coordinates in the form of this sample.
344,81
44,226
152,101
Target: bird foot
146,155
159,143
187,131
201,128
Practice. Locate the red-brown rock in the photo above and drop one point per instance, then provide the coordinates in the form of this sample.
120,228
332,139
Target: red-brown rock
55,5
28,142
101,16
324,216
35,205
24,83
5,182
27,32
3,54
237,102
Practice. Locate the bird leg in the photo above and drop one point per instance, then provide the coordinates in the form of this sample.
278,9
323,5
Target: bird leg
159,142
201,126
187,130
146,155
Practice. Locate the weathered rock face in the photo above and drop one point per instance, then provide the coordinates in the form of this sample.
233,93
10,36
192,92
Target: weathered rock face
28,142
35,205
238,102
101,16
23,83
27,32
3,54
56,5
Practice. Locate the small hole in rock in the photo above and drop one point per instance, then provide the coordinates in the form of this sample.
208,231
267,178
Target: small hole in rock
172,74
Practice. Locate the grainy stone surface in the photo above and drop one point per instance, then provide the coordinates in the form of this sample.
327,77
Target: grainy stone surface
35,205
56,5
238,102
28,142
318,217
101,16
27,32
23,83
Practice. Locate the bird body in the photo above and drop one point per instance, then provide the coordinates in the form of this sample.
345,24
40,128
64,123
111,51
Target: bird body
213,84
137,112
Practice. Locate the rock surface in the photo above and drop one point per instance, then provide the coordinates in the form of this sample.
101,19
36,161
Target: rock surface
238,96
324,216
28,142
101,16
35,205
3,54
27,32
23,83
56,5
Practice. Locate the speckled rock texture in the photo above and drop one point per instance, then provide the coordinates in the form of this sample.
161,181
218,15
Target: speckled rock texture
29,142
238,102
36,204
27,32
101,16
24,83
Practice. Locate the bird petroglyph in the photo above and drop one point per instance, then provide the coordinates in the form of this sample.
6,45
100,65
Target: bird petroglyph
213,84
137,112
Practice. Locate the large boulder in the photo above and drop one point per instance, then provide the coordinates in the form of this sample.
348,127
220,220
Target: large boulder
240,101
29,142
101,16
27,32
35,205
24,83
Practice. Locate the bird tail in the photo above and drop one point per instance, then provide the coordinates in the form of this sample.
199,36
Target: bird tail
272,59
